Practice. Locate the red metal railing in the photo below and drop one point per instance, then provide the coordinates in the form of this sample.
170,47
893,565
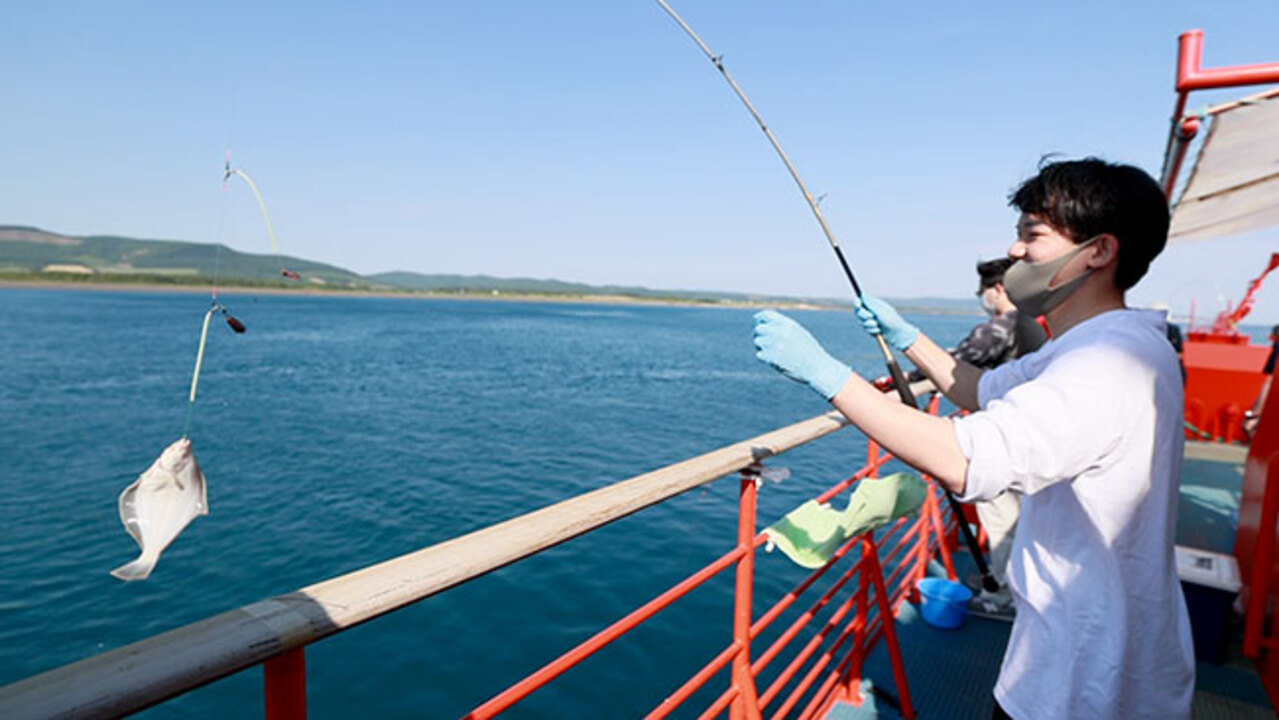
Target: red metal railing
849,618
856,622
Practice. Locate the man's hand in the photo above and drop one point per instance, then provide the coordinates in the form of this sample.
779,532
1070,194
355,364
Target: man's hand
878,317
792,350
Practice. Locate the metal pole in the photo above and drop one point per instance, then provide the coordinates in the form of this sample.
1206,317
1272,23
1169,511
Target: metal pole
886,617
284,677
746,705
852,690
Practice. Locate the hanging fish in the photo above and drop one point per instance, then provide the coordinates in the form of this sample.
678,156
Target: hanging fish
159,504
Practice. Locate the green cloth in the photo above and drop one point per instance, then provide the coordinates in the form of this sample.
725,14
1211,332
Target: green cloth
810,534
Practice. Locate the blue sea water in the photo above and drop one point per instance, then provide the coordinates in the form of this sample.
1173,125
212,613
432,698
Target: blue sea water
340,432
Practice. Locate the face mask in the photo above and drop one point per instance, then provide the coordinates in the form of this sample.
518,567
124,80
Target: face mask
987,303
1029,285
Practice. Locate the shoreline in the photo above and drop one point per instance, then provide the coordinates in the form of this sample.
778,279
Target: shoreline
492,296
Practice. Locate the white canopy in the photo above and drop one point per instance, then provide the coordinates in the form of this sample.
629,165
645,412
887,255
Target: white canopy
1234,187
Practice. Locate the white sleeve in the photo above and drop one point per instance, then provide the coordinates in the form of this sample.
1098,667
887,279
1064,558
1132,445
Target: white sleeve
1046,430
996,382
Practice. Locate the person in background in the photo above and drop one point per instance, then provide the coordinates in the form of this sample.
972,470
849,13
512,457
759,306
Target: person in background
1088,428
993,342
988,345
1003,336
1174,336
1252,415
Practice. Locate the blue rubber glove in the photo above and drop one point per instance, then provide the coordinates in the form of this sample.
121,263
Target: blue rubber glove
792,350
879,317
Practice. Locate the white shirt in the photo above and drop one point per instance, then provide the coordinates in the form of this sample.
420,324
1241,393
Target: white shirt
1089,428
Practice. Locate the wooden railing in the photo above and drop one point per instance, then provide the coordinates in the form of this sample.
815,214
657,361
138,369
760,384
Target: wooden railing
274,632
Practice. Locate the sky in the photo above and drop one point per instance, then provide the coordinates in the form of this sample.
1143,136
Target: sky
593,142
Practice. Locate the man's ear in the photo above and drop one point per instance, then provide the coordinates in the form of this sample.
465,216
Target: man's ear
1105,251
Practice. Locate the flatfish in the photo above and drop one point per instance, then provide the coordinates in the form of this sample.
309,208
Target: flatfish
159,504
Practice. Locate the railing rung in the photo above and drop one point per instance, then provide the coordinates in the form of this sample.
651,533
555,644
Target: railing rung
553,669
691,686
807,616
791,597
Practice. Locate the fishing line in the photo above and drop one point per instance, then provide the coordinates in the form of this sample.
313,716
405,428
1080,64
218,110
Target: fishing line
899,379
214,306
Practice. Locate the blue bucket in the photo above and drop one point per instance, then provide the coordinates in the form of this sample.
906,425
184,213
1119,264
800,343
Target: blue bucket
943,603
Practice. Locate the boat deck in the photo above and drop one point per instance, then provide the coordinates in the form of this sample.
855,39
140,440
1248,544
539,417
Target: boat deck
952,672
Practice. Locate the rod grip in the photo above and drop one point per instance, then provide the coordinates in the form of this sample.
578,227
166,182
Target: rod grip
895,371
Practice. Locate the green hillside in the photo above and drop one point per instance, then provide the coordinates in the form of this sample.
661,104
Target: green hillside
112,258
31,254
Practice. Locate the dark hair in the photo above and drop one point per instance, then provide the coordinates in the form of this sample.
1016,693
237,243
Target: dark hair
992,272
1089,197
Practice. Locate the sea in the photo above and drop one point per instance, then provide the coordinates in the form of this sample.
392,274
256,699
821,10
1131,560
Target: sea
338,432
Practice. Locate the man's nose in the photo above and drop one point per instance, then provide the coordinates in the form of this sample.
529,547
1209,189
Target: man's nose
1017,250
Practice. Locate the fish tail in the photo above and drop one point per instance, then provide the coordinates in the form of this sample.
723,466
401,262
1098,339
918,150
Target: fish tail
139,569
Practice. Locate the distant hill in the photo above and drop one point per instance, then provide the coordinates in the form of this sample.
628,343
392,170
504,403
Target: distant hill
29,253
31,250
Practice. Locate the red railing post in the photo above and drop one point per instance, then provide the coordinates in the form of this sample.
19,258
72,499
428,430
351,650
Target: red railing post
285,679
947,541
852,688
746,705
887,622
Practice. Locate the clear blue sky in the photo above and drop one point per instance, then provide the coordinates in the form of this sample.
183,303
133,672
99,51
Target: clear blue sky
591,141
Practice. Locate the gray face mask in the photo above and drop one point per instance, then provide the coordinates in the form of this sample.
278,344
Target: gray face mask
1029,285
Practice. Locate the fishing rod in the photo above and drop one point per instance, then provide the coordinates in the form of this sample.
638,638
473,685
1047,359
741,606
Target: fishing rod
899,379
894,370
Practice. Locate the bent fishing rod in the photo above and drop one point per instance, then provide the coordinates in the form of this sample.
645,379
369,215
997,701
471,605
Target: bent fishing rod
894,370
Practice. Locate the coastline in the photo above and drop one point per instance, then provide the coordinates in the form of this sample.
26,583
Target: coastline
492,296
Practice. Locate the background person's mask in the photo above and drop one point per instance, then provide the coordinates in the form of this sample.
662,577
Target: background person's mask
1029,285
987,304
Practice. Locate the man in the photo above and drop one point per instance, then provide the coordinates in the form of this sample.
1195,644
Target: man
1088,428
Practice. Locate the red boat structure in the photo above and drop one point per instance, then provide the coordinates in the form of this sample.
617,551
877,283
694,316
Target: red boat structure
1234,188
